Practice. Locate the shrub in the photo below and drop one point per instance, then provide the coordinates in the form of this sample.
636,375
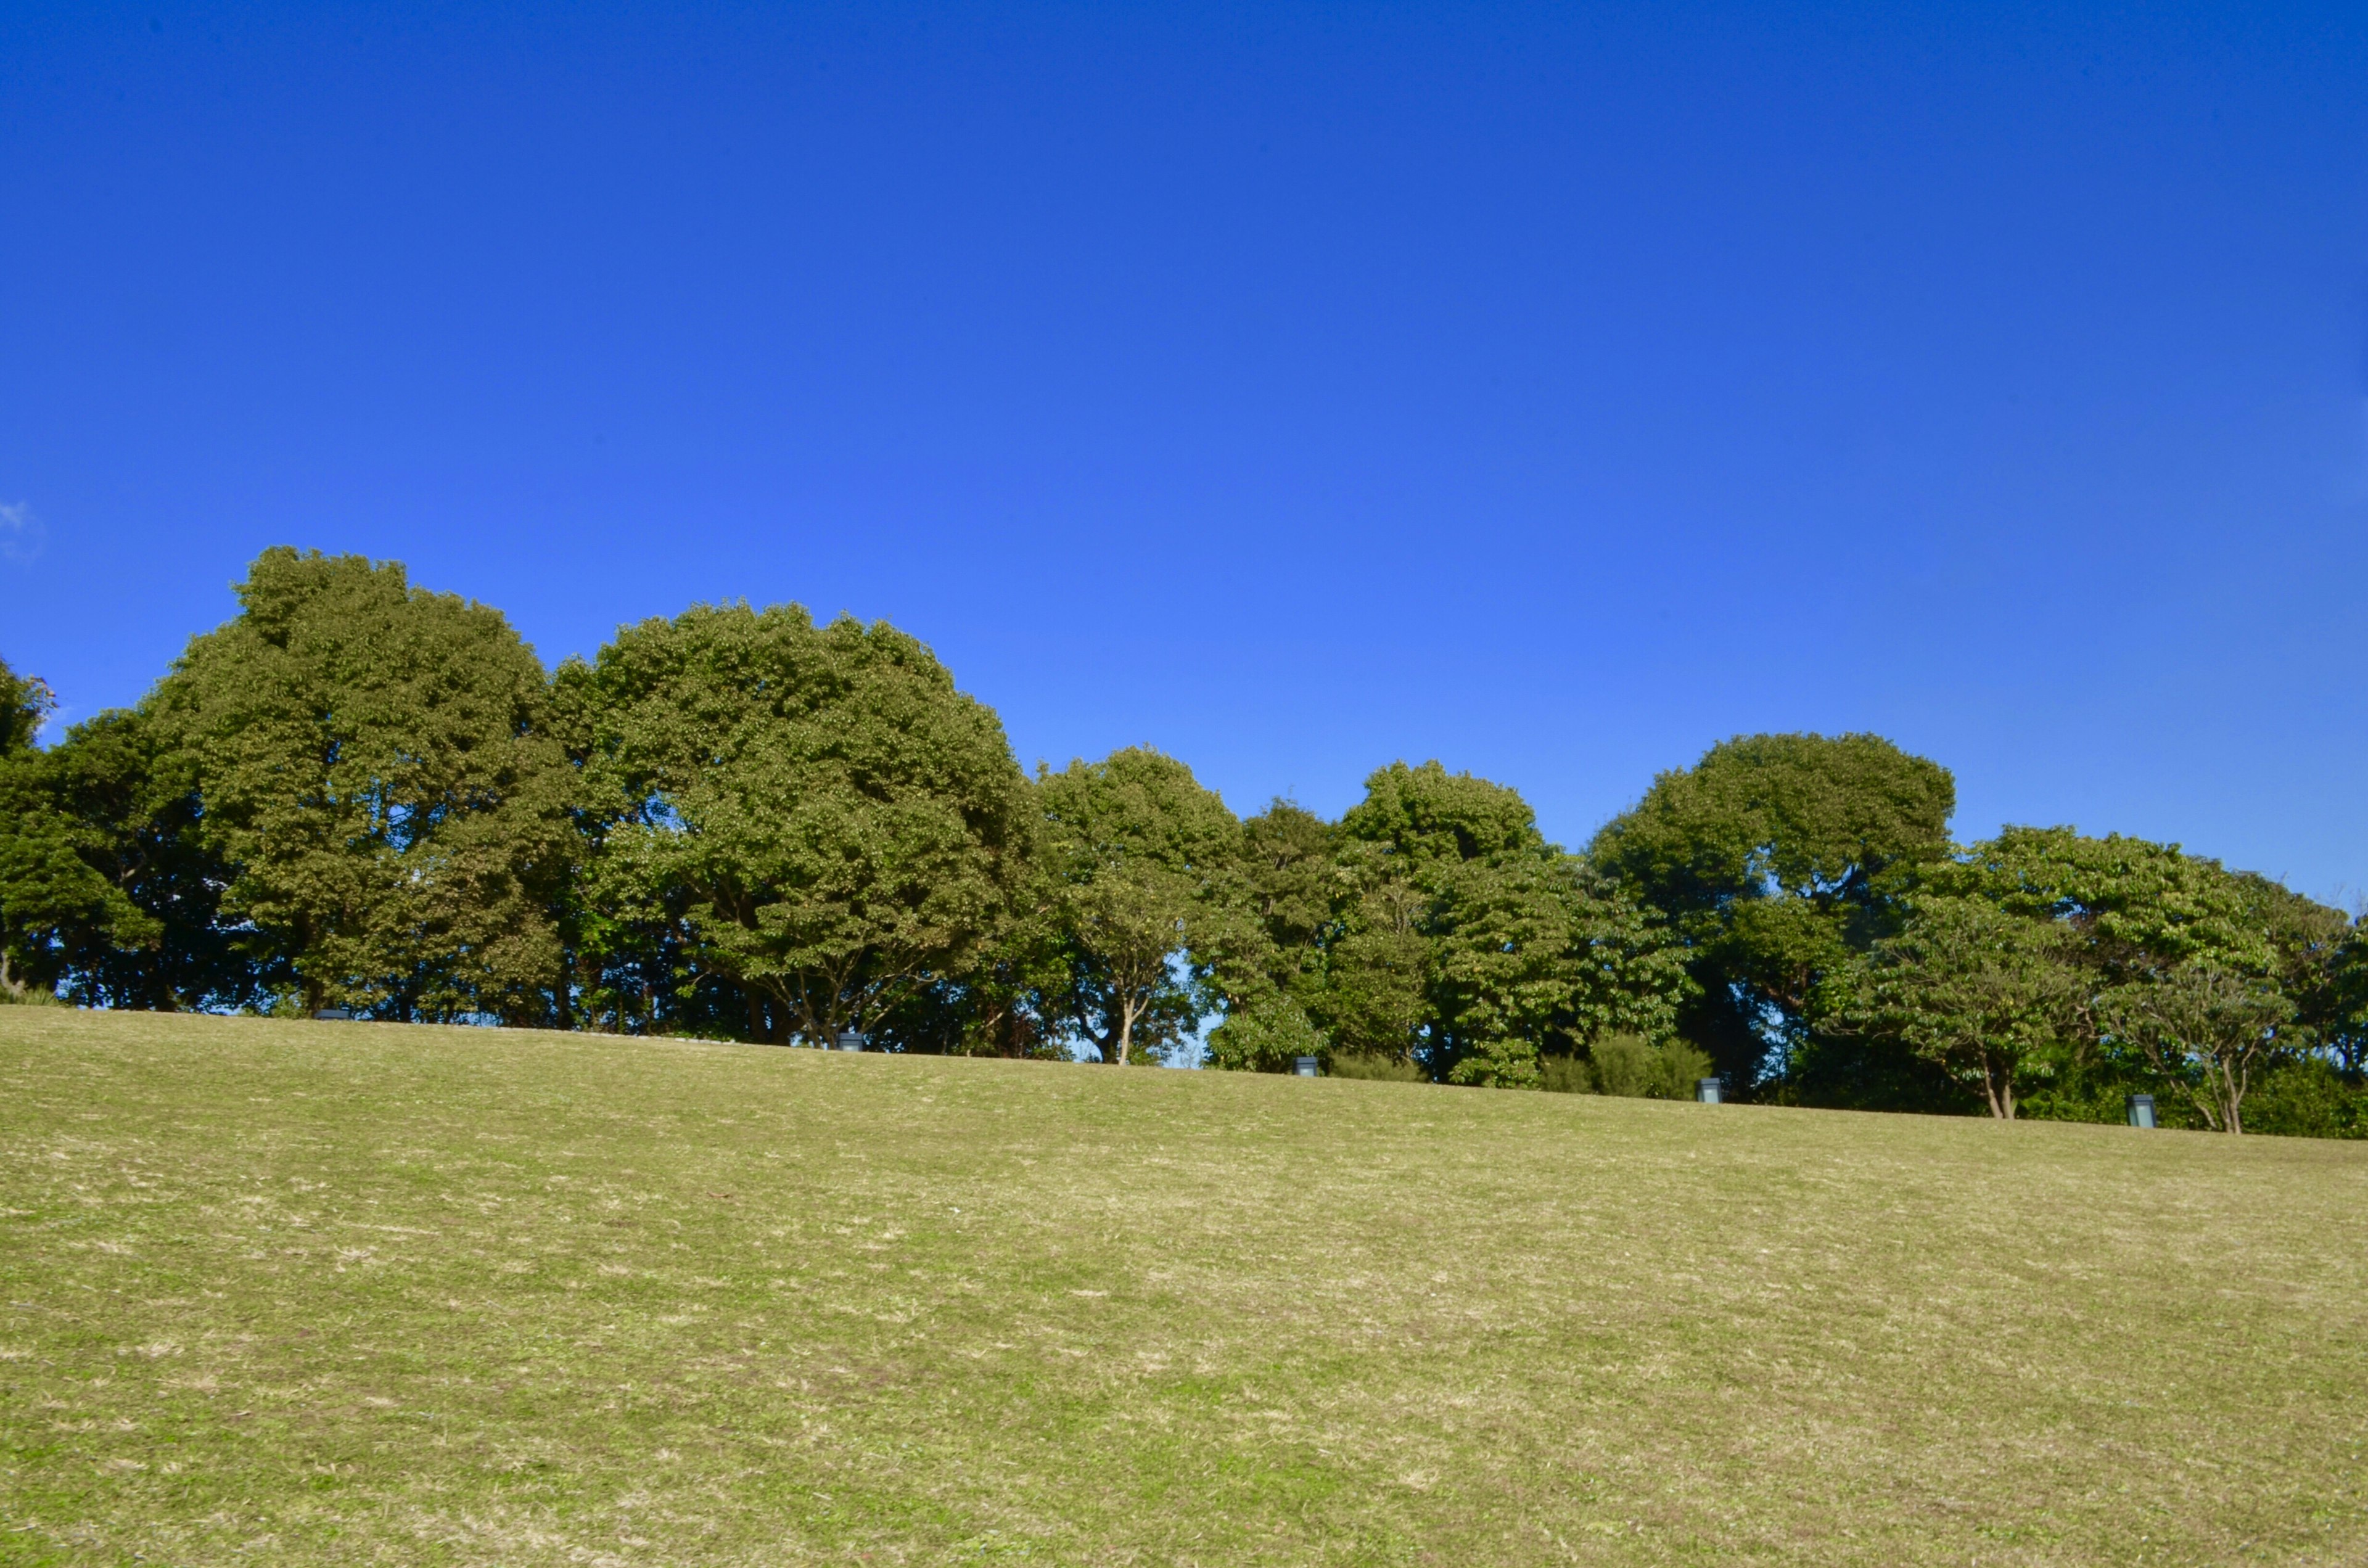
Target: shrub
1355,1065
1564,1075
1266,1038
1629,1065
2307,1098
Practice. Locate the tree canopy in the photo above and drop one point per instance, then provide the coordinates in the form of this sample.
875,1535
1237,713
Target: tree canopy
1774,857
377,765
1142,856
811,818
739,823
1434,924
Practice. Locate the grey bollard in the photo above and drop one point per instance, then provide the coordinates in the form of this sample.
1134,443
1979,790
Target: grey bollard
335,1014
853,1040
1305,1066
1706,1090
2141,1111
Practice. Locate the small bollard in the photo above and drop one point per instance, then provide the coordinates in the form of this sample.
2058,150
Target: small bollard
853,1040
1305,1066
2141,1111
335,1014
1706,1090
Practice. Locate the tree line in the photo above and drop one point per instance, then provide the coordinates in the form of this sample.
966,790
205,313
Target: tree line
738,824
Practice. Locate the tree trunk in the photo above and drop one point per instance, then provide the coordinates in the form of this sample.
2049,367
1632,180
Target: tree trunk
2231,1086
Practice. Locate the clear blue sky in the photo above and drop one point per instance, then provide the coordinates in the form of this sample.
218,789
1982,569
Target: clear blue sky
1550,390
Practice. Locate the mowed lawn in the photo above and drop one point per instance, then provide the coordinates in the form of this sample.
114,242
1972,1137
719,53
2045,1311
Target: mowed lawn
298,1293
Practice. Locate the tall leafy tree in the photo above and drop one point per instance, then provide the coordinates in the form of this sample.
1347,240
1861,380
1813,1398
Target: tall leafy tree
2207,1029
1987,996
1265,966
2343,1016
1434,924
797,829
2195,978
376,765
1774,858
107,886
1145,856
25,702
1514,948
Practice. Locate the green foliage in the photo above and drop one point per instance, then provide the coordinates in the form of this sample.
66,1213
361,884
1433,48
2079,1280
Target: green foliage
108,888
1772,858
1270,1035
1504,946
25,702
376,761
1988,996
1567,1075
793,829
738,822
2138,907
2308,1096
2191,979
1633,1067
1267,962
2205,1030
1433,926
1142,857
2339,1010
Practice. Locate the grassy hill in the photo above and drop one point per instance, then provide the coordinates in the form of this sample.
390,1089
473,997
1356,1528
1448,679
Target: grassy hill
355,1294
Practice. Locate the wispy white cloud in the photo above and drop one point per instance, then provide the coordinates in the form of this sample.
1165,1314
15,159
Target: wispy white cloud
20,532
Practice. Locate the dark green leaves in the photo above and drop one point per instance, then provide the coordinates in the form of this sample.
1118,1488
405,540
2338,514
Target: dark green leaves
376,763
811,819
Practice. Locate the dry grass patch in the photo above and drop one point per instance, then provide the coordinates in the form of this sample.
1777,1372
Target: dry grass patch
355,1293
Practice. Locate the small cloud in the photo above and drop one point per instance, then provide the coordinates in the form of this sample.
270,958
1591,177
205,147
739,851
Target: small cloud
20,532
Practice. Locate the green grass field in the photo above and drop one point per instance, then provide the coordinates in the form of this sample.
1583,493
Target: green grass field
352,1293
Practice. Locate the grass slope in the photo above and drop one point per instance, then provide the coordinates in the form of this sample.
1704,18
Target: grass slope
352,1293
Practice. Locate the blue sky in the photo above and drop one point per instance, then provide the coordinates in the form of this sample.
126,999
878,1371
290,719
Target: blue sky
1551,390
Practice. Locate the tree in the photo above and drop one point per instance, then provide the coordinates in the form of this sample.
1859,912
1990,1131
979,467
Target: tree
25,702
2194,977
1774,858
1434,924
376,765
2343,1017
107,887
1984,995
806,826
1265,965
1143,856
2207,1029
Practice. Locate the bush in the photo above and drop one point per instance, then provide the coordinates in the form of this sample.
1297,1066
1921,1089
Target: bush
1266,1038
1564,1075
1395,1069
1628,1065
2307,1098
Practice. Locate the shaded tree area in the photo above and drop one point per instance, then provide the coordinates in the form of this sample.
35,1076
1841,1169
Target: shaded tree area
1777,860
740,823
787,830
377,774
1433,926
